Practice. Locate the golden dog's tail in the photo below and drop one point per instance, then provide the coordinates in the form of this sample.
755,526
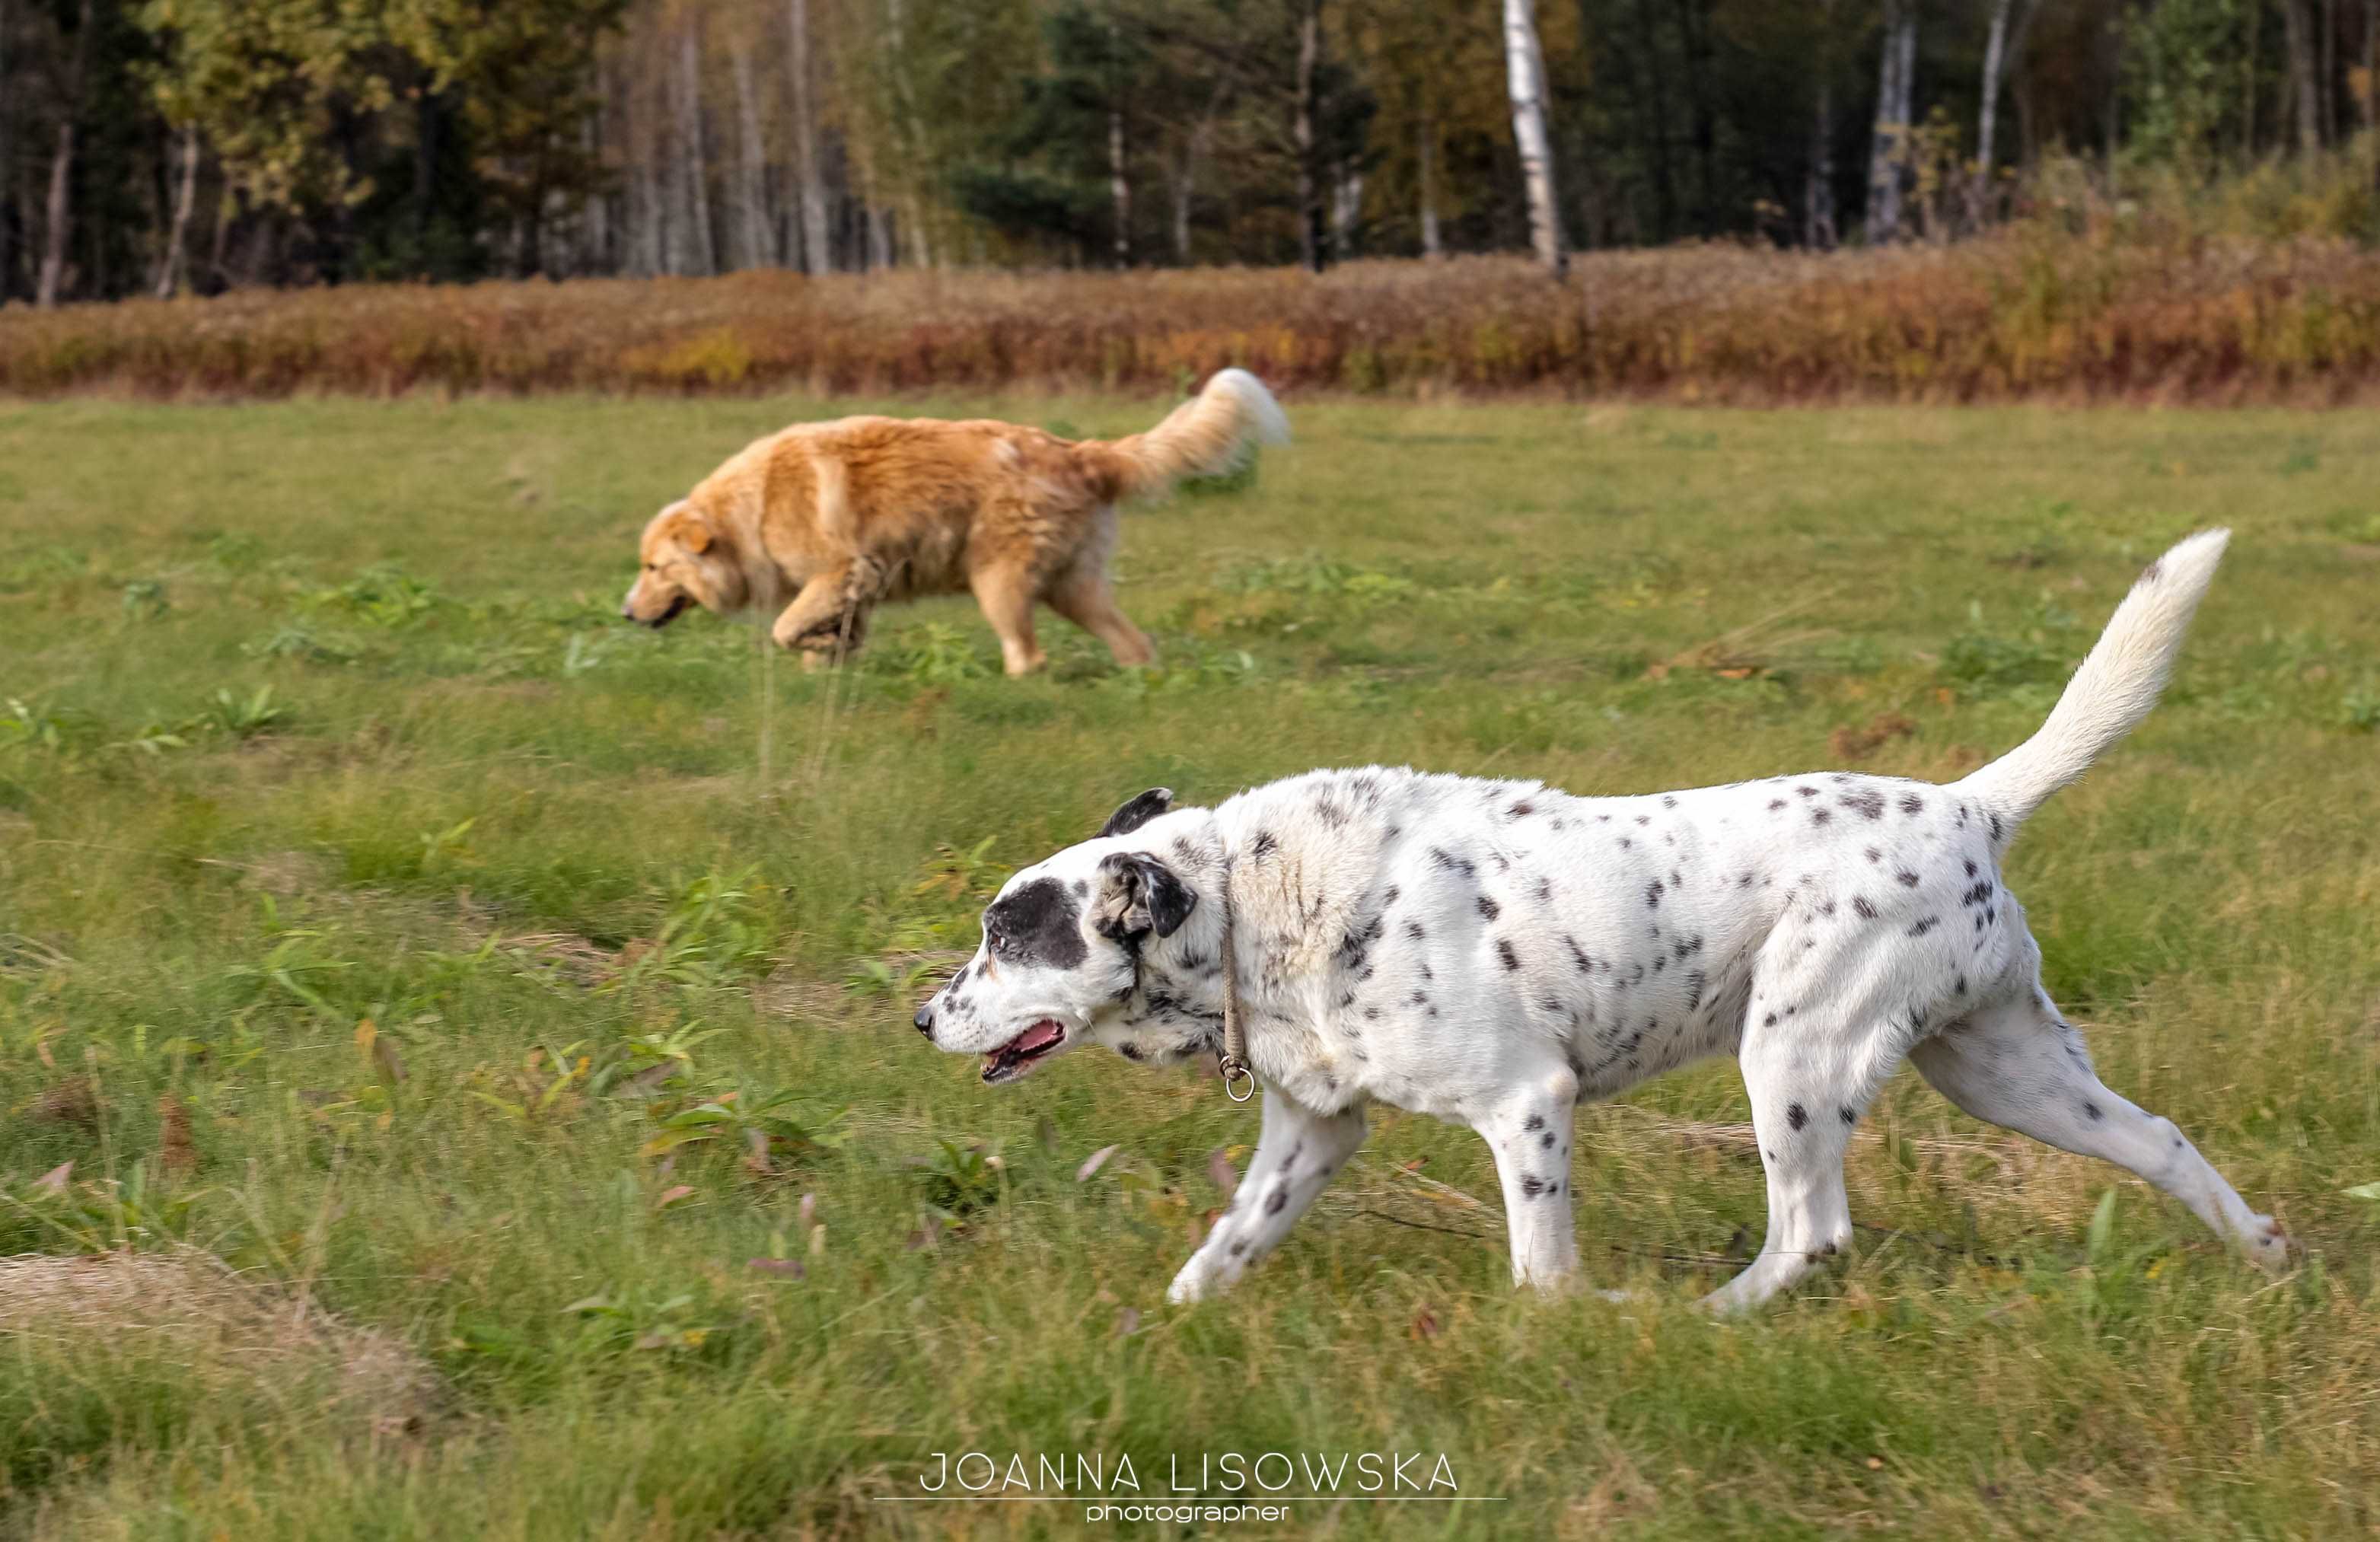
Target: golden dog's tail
1208,435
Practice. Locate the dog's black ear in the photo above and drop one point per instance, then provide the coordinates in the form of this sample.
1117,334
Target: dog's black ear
1142,896
1138,812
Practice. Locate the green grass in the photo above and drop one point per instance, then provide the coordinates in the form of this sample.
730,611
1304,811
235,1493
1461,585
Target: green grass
319,715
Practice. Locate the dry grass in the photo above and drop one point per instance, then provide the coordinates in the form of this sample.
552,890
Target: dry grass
2030,314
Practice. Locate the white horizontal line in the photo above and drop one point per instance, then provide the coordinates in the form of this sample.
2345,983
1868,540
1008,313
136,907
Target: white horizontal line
1186,1499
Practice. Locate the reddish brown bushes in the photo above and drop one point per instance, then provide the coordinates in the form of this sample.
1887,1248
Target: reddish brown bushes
2026,315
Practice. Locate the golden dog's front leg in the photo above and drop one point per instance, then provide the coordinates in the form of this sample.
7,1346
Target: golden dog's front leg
828,620
1006,596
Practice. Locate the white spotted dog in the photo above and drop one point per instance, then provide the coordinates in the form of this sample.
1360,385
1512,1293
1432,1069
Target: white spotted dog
1494,952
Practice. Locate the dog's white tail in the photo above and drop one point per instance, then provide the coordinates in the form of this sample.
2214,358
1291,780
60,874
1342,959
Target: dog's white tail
2114,689
1206,436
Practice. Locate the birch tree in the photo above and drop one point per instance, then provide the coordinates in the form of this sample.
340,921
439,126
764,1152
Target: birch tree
755,227
1302,134
2009,20
186,199
697,252
1525,71
809,183
58,215
1888,159
2304,87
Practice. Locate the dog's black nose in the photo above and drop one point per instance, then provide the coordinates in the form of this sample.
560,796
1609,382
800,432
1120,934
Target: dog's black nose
925,1019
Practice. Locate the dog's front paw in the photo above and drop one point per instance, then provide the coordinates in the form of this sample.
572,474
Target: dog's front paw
2267,1246
1191,1284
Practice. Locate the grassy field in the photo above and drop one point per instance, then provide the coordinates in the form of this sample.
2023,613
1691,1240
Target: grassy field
522,1000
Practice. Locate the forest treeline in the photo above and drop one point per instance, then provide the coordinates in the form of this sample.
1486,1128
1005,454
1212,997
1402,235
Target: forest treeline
164,146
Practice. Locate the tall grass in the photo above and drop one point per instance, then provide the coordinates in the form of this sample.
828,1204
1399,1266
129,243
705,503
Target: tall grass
2065,308
474,991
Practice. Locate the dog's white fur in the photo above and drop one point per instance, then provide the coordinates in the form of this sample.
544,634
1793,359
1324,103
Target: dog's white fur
1495,952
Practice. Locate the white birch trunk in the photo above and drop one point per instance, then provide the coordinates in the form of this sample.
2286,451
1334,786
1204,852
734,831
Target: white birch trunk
1309,202
1119,188
754,224
1525,69
2302,86
1819,211
818,248
186,199
1890,151
1346,208
58,213
1425,174
700,255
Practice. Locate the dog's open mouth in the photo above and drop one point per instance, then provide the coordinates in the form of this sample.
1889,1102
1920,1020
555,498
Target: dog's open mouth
677,603
1012,1058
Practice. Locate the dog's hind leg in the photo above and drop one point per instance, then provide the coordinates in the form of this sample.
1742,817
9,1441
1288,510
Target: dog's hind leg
1083,597
1530,1135
1298,1154
1006,595
2021,1066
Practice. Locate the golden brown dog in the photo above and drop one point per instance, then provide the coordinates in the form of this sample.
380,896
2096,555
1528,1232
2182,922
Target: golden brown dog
827,519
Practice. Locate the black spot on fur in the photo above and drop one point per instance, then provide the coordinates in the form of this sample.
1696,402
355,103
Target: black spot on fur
1874,855
1860,907
1906,879
1535,1122
2090,1110
1037,925
1548,1143
1521,810
1847,1116
1448,862
1391,897
1807,792
1868,804
1278,1200
1775,804
1504,951
1911,804
1820,815
1533,1186
1922,926
1489,908
1795,1116
1412,929
1264,845
1996,830
1653,893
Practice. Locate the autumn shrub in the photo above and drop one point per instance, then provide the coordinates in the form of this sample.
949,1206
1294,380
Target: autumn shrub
2098,301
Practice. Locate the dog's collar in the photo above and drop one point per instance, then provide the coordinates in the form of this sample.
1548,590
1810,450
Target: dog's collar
1239,1078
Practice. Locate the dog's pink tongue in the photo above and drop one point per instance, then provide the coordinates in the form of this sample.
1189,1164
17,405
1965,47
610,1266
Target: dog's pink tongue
1040,1035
